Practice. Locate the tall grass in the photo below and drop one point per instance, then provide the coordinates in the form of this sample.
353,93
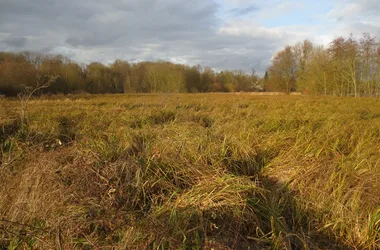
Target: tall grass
202,171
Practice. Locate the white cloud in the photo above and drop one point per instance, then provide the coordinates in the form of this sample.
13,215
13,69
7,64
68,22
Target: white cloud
223,34
356,10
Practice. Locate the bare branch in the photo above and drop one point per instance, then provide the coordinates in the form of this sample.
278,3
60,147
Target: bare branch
29,91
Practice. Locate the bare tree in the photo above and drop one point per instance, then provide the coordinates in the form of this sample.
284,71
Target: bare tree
42,82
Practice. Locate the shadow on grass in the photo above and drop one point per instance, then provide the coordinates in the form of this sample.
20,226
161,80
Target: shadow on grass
271,219
299,226
9,129
269,216
283,221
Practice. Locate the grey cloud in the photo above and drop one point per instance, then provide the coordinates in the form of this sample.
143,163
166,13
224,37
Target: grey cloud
100,30
15,42
140,21
96,30
244,11
95,39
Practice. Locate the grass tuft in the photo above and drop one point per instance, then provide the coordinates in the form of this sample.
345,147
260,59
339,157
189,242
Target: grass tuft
197,171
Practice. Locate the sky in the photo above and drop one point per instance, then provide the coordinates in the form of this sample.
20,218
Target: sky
222,34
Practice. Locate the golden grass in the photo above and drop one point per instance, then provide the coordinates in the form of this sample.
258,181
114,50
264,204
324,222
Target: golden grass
190,171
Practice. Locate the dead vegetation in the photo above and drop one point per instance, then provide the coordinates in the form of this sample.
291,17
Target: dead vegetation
191,172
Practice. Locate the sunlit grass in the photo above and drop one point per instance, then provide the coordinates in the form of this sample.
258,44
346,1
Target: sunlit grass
183,171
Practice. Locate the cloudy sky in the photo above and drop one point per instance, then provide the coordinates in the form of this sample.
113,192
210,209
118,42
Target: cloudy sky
223,34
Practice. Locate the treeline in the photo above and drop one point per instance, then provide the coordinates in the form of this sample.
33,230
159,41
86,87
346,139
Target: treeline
346,67
18,70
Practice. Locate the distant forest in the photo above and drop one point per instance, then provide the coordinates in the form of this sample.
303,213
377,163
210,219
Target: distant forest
18,70
346,67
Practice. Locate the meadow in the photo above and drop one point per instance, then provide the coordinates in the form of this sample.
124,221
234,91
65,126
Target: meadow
190,171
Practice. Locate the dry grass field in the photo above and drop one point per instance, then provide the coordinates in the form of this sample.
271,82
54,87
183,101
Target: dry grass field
190,171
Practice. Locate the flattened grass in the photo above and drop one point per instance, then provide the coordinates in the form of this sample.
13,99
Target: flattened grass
195,171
